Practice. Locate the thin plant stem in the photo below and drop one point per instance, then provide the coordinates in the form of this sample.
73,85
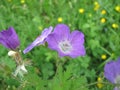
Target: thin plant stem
105,50
98,83
94,83
102,64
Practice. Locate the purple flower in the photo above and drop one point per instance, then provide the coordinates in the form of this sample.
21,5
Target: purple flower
112,72
39,40
66,44
9,38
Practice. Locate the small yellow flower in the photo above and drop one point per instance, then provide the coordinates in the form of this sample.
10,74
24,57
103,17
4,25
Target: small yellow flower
81,10
22,1
40,28
117,8
103,20
103,12
99,79
96,5
114,25
60,19
99,84
103,56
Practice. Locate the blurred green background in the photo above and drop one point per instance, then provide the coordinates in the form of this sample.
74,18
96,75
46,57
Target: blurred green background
100,22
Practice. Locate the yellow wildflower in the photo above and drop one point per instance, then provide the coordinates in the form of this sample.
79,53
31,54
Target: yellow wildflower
103,12
117,8
96,5
103,56
103,20
99,84
81,10
60,19
40,28
99,79
22,1
114,25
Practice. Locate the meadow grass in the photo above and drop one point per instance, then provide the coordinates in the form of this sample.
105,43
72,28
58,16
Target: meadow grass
99,21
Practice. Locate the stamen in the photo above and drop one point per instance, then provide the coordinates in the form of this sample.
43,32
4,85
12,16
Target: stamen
65,46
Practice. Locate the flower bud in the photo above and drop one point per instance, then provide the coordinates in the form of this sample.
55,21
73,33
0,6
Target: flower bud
11,53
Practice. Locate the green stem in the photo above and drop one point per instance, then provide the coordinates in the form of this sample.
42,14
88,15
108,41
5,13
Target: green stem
113,31
94,83
98,83
102,64
105,50
58,63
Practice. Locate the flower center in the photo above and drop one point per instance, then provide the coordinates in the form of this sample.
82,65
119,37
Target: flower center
65,46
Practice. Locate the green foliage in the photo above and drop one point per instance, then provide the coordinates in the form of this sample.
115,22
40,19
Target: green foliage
48,71
65,80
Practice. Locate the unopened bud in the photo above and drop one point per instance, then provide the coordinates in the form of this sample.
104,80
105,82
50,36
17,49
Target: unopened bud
11,53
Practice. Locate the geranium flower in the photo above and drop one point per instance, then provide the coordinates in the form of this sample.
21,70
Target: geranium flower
112,72
39,40
66,44
9,38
